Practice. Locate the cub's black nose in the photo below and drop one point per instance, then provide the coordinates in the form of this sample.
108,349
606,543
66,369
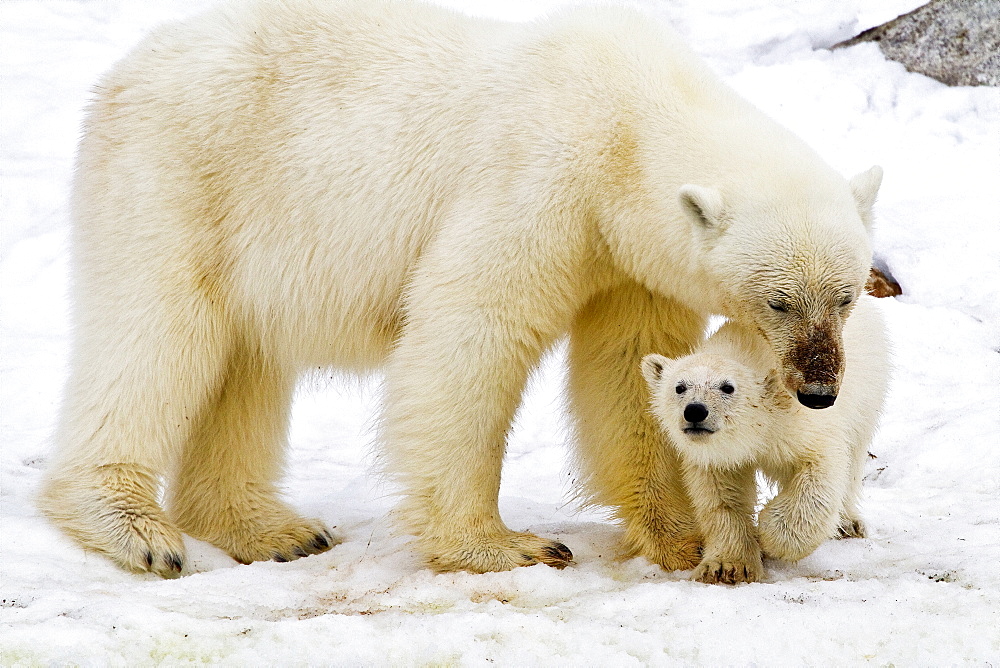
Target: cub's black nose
695,412
816,400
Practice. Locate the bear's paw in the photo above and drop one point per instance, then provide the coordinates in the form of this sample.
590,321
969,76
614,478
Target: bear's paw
292,541
728,571
851,527
112,509
270,533
479,554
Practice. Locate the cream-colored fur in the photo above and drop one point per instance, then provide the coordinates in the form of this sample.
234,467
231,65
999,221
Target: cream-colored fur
272,187
750,422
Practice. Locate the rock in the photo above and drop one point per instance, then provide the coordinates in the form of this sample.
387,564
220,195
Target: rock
882,284
956,42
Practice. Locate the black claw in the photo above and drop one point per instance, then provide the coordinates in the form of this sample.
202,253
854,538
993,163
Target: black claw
320,542
529,559
299,552
175,562
149,560
279,557
559,551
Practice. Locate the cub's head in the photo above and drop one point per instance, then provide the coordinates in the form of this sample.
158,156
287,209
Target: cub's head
710,406
791,265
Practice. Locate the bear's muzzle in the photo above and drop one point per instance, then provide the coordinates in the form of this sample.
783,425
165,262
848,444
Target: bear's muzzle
817,360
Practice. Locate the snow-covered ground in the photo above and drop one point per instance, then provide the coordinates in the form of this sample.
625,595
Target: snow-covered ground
923,589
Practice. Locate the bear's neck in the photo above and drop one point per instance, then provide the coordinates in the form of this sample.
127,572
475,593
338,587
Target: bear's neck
704,135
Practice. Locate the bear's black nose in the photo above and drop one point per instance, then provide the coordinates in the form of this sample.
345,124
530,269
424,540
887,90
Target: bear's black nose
816,400
695,412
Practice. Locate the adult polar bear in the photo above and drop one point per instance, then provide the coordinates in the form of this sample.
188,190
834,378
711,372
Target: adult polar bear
275,186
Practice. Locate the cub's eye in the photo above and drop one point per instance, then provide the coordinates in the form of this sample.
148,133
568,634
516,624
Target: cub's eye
778,306
727,388
846,301
681,388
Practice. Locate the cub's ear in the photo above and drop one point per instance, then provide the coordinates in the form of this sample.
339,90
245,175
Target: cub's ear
653,366
703,206
865,187
776,393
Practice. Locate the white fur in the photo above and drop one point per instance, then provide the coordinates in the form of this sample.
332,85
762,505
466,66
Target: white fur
815,456
276,186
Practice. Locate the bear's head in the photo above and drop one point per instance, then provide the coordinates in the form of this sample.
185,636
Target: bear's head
791,268
710,406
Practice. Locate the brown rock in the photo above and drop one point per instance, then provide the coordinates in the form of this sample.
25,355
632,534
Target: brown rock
882,284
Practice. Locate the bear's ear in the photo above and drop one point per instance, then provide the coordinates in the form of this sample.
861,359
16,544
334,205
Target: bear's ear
702,205
865,186
653,366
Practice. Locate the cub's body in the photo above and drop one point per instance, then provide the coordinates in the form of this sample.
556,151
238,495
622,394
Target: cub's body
728,414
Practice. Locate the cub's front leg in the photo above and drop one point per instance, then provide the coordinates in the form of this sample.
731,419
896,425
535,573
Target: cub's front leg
723,502
806,510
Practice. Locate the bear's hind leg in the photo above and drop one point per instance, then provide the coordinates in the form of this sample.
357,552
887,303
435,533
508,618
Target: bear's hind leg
136,388
225,489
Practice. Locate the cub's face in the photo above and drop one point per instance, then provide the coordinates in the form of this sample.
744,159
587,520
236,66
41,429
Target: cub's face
708,406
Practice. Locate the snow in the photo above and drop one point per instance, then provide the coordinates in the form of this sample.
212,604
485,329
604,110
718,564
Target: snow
924,588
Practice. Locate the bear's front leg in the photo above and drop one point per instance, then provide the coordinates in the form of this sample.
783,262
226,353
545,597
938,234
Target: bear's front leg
624,460
806,510
723,502
447,415
453,385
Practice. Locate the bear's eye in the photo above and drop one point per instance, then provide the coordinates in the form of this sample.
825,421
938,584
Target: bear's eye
681,388
846,301
778,306
727,388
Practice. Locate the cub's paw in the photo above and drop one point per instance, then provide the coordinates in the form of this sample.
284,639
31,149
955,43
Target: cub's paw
851,528
791,541
113,510
480,554
728,571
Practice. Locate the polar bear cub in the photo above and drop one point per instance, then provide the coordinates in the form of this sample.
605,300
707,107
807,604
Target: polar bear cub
728,414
